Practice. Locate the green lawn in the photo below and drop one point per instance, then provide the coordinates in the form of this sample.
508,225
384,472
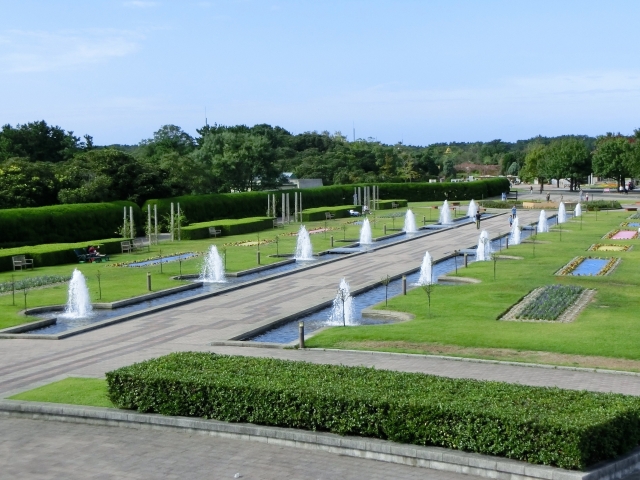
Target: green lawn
465,315
74,391
117,283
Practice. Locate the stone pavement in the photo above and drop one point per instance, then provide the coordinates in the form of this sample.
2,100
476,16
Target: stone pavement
78,451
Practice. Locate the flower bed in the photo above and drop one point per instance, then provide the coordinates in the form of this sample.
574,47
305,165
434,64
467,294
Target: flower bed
550,302
33,282
630,225
156,260
609,247
571,267
619,234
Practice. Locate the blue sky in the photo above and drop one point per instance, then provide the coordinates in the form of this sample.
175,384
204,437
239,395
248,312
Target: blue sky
413,71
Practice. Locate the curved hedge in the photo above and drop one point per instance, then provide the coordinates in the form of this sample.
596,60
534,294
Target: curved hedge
388,204
317,214
63,223
227,227
564,428
204,208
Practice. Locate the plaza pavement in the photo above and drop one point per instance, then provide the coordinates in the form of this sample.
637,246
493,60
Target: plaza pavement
49,449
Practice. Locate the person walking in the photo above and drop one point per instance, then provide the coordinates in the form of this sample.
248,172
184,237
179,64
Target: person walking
513,211
530,189
541,189
478,216
511,221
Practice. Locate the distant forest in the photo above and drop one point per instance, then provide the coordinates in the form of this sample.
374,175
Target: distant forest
42,164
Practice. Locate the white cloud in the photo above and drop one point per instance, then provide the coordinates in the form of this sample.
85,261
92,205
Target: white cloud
38,51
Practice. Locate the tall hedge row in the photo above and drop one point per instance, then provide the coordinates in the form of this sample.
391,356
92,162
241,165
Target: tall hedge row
63,223
204,208
564,428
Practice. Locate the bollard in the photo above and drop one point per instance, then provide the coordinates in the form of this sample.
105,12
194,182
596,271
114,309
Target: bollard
424,220
404,284
507,243
301,334
465,260
258,255
384,229
331,241
149,281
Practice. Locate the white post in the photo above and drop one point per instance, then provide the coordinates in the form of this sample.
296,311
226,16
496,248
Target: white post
288,209
179,221
283,209
295,207
273,205
300,198
133,233
172,220
268,205
124,225
149,222
359,195
155,218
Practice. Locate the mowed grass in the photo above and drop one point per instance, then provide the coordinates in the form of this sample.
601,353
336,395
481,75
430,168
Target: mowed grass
465,315
74,391
119,282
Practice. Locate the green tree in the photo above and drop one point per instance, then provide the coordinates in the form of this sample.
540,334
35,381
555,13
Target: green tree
24,183
613,157
533,161
38,142
448,168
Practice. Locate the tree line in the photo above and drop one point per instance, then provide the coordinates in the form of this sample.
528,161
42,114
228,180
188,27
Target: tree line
41,164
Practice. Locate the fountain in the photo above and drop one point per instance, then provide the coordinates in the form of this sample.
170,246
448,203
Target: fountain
426,276
472,210
562,213
578,211
543,225
445,214
78,302
409,223
514,238
213,267
483,251
342,311
365,233
304,250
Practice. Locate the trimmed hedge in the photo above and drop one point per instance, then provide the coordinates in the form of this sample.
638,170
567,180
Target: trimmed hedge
564,428
205,208
602,205
388,204
227,227
56,253
63,223
317,214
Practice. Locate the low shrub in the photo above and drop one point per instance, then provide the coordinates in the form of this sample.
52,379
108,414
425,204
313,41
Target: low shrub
564,428
317,214
551,302
55,253
602,205
63,223
388,204
226,227
500,204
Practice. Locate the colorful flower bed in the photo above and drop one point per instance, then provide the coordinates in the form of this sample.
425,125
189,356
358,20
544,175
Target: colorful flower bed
619,234
551,302
609,247
33,282
630,225
570,267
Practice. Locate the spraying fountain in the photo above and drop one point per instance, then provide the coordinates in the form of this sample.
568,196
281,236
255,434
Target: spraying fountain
562,213
445,214
514,238
472,210
213,267
342,312
543,225
365,233
577,212
78,302
304,250
410,223
426,275
483,251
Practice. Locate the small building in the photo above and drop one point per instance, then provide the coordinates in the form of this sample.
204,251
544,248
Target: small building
291,181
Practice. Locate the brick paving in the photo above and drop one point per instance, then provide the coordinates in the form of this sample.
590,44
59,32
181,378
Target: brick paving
193,326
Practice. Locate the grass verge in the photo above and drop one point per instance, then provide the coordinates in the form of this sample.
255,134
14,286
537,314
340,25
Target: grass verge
74,391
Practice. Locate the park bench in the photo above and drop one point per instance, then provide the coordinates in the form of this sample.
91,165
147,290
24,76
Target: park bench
20,261
276,224
329,215
512,196
126,246
81,254
214,232
395,204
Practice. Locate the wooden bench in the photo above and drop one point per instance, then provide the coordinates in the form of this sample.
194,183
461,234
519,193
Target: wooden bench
329,215
214,232
512,196
20,261
276,224
126,246
395,204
